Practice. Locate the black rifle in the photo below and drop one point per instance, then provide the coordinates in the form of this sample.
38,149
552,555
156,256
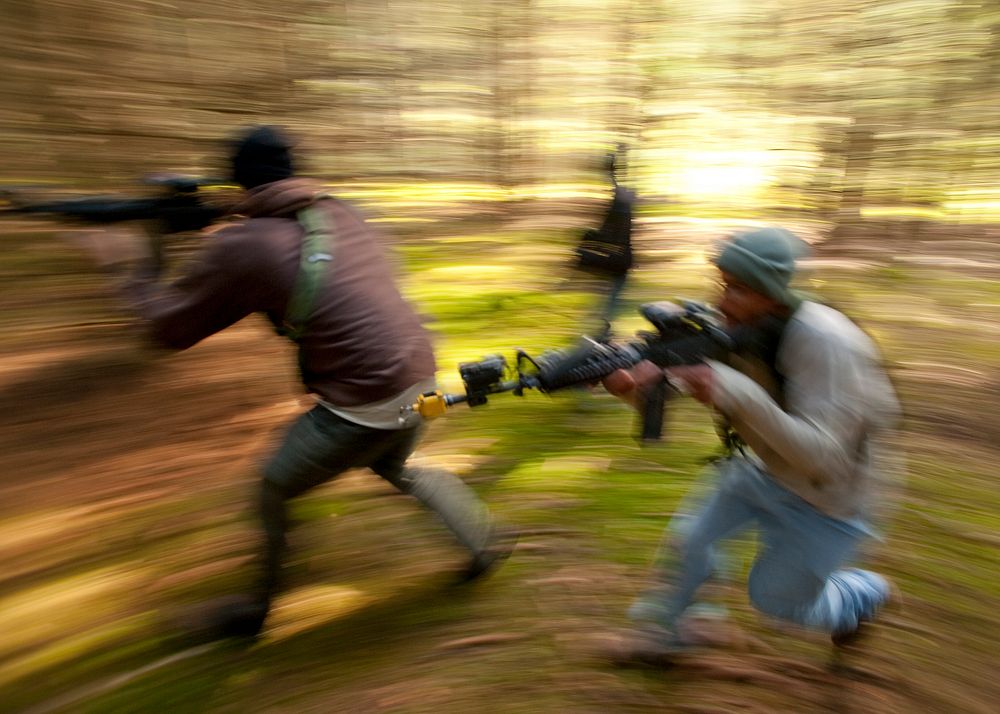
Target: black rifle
180,207
687,333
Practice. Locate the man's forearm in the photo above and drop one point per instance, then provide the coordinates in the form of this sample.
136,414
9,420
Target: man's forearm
810,448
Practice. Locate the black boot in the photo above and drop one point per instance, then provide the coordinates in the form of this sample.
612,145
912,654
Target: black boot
489,560
239,616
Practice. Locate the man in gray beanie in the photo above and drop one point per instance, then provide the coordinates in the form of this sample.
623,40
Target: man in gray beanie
802,472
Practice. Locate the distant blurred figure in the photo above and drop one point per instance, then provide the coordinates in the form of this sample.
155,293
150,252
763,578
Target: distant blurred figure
801,463
311,264
605,254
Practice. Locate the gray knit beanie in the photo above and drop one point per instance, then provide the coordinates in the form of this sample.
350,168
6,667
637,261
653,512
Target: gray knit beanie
764,259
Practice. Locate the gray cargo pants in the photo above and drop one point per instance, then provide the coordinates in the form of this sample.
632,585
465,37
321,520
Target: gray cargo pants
319,445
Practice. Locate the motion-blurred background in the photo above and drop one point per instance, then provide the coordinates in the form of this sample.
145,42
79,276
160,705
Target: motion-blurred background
475,134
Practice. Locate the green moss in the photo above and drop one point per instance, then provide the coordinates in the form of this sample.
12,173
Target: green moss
567,470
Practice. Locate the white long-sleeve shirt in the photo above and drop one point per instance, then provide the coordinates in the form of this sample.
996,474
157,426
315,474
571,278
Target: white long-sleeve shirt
821,444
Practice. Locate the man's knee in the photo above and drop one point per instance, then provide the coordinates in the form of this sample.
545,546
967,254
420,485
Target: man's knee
783,593
271,500
271,491
414,480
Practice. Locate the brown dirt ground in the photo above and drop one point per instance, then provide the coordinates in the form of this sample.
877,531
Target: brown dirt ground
94,427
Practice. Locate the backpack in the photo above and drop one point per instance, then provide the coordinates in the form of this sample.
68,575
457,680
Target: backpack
608,249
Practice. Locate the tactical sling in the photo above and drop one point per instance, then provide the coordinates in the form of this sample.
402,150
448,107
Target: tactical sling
317,252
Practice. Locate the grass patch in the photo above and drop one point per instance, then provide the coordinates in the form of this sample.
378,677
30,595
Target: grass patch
368,623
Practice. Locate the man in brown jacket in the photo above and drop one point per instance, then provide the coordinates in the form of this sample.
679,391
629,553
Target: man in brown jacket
314,268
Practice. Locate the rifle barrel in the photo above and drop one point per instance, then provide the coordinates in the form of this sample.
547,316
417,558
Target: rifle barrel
176,213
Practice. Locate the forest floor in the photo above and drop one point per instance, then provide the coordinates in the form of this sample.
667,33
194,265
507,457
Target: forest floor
126,492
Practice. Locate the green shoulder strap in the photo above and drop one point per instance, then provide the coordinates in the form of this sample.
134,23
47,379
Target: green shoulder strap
317,253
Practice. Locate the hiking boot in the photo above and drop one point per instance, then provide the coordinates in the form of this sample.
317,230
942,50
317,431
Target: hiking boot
245,621
650,608
648,646
893,602
240,616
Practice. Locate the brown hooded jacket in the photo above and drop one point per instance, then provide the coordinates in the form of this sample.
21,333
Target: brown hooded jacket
363,342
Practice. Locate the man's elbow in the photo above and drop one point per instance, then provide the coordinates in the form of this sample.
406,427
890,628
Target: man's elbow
827,467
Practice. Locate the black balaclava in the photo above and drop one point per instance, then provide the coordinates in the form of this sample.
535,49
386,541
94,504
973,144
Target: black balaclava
261,155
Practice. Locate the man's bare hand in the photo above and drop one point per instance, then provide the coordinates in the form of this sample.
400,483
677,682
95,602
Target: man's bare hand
619,383
695,379
628,384
113,249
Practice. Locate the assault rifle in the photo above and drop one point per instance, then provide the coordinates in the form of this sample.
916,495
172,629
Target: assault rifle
181,206
686,333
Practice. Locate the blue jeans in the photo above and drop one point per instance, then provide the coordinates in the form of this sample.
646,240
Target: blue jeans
797,574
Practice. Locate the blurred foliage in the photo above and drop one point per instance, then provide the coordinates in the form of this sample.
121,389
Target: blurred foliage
126,497
834,111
